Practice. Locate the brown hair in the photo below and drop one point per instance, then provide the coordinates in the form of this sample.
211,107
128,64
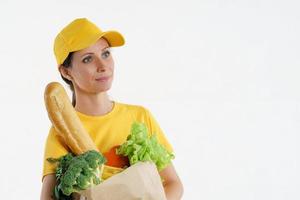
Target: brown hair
68,64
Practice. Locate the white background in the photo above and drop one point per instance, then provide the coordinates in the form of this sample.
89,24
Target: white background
220,77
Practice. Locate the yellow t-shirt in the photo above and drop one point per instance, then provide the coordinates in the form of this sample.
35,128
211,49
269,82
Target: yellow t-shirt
106,131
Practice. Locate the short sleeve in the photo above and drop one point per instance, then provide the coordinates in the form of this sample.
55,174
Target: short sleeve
154,128
55,148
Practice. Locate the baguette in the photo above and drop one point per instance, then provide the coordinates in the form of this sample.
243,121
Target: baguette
65,120
68,125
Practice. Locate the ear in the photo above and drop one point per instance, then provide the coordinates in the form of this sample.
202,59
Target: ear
65,72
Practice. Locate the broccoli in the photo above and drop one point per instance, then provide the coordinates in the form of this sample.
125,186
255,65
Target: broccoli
75,173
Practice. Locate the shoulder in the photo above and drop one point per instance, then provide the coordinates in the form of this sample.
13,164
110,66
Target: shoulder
137,108
52,132
139,112
53,138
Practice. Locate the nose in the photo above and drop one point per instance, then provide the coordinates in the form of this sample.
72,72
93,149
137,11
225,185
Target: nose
100,65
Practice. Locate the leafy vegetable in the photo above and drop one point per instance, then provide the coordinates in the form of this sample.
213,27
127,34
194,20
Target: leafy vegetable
75,173
140,147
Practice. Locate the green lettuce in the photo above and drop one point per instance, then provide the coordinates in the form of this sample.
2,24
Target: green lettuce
142,147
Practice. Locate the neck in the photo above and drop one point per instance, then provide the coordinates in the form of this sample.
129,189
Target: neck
93,104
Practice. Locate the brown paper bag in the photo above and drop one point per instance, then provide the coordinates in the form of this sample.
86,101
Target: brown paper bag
138,182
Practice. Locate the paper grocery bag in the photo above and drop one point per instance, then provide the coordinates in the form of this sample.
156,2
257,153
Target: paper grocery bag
138,182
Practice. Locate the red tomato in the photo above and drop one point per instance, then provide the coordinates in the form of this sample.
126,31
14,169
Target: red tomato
115,160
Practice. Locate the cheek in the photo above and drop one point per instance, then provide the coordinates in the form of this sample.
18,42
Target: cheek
111,63
112,68
83,77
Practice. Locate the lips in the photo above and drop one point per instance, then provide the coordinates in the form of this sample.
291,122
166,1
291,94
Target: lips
105,78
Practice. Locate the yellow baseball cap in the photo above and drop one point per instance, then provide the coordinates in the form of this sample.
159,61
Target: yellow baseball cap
79,34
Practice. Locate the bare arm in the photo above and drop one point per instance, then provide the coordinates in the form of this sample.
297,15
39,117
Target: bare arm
47,187
172,185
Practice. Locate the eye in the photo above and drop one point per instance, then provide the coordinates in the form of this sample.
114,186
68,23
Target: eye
105,54
87,59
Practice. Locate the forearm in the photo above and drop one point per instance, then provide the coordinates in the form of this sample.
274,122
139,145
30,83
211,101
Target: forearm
173,190
48,185
46,195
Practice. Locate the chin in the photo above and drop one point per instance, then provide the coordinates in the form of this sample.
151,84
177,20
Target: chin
103,89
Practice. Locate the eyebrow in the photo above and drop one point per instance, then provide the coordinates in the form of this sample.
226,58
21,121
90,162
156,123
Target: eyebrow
92,52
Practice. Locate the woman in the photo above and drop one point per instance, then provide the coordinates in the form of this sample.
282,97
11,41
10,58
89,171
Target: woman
85,63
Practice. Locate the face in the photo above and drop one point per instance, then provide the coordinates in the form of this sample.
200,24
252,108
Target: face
90,66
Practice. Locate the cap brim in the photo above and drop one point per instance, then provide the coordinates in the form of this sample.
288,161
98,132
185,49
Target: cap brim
114,38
